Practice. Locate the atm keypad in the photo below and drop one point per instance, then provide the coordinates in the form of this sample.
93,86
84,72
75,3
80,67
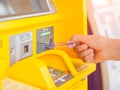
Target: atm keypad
59,77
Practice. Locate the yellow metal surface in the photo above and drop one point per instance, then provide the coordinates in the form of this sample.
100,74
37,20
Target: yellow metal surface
0,43
65,63
70,19
35,71
81,85
73,21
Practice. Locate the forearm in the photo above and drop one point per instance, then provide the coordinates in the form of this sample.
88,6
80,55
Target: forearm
113,49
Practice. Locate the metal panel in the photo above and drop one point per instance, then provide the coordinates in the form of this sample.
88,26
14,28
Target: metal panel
20,47
44,36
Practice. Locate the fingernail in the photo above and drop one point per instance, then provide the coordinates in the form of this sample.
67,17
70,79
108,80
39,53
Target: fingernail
91,50
71,44
85,46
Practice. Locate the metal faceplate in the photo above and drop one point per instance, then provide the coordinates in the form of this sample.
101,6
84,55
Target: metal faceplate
44,36
20,46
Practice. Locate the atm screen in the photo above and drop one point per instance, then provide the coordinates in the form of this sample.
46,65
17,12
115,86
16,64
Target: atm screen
24,8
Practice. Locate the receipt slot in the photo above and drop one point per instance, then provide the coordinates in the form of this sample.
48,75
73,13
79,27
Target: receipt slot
20,46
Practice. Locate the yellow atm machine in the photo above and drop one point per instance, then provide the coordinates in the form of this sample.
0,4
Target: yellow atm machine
26,27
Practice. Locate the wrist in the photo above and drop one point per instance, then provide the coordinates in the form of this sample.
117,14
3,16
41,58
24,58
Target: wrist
113,49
